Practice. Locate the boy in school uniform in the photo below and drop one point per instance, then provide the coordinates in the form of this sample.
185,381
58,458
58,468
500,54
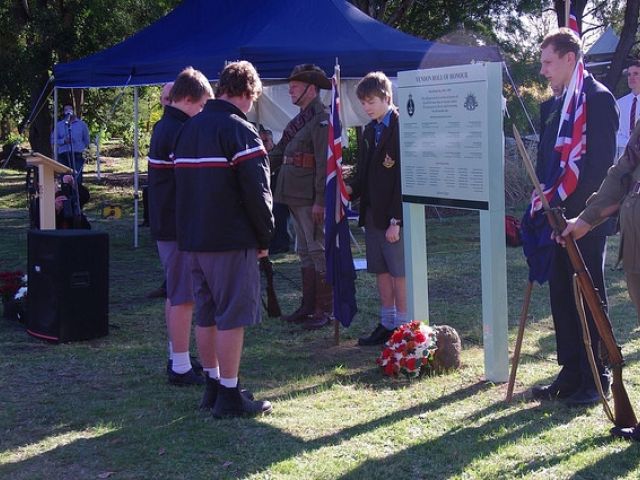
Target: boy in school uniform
377,184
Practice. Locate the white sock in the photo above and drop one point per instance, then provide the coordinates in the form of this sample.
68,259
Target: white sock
229,382
181,362
213,373
401,319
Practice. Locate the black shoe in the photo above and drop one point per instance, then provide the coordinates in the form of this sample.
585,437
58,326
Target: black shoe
195,364
378,337
317,320
554,391
586,396
630,433
185,379
231,403
211,393
159,292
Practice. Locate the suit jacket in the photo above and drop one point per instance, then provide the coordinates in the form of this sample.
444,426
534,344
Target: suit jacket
602,126
377,178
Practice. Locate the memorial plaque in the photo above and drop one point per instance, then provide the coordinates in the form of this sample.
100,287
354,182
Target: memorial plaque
444,136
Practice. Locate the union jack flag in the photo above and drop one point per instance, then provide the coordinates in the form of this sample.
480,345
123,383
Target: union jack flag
571,144
573,20
340,270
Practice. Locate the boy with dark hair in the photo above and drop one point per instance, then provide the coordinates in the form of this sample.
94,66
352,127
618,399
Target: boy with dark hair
187,96
377,184
224,221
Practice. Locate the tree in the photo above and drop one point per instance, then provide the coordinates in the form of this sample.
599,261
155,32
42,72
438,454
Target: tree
36,34
603,11
627,40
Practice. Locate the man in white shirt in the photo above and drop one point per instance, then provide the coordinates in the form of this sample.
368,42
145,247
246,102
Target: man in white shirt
629,107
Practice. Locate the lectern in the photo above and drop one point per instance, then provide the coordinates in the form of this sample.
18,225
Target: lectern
47,169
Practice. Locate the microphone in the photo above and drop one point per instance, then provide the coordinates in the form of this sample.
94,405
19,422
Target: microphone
67,117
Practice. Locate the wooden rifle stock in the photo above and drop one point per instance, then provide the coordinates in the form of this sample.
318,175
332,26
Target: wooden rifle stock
624,415
272,305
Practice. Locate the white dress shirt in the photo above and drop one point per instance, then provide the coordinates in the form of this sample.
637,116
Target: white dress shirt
624,104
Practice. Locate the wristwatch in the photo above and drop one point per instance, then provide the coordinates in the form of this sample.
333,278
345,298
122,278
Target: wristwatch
394,221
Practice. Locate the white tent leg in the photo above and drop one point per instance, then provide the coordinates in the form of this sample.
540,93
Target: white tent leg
98,156
135,166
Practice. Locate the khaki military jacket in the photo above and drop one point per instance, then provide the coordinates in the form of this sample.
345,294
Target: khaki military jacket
621,187
303,185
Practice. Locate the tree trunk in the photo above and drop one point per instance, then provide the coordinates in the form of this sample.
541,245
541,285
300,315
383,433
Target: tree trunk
41,126
627,39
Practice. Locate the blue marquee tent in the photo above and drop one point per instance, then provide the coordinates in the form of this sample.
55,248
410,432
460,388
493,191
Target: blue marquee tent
274,35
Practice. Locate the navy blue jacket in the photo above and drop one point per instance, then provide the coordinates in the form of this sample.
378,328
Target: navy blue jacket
377,179
223,194
162,185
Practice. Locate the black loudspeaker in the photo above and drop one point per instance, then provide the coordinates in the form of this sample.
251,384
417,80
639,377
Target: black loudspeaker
68,284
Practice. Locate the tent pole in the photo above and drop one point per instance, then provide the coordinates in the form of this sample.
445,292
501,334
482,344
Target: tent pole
135,168
98,155
55,123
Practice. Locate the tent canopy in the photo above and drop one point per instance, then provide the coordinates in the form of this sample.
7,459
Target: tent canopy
274,35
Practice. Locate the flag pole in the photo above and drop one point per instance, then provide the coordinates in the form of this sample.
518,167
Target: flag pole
336,74
567,12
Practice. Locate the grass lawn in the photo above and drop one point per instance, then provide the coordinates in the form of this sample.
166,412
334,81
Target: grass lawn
103,409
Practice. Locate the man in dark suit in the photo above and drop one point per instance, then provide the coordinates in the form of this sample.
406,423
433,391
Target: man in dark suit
560,54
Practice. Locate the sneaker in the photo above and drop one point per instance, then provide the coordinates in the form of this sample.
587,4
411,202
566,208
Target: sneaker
231,403
185,379
378,337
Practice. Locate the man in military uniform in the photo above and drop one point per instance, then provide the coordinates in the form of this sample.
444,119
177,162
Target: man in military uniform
301,156
618,194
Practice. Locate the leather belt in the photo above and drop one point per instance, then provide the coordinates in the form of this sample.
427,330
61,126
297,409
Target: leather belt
302,160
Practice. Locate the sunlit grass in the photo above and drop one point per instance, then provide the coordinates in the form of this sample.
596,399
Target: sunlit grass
86,409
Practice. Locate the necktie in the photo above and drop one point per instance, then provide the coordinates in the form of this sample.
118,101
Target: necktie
632,115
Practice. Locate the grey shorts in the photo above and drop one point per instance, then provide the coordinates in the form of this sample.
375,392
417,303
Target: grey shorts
177,272
226,286
382,256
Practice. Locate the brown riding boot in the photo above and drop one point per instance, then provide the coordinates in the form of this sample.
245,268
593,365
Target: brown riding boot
308,296
323,312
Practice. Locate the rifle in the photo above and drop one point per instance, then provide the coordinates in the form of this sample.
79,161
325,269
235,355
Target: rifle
624,415
272,306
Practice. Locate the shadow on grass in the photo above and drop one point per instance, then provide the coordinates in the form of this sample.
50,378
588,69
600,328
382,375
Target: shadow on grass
142,445
454,452
156,440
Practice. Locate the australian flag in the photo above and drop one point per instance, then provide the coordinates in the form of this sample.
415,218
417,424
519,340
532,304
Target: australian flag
560,177
340,270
